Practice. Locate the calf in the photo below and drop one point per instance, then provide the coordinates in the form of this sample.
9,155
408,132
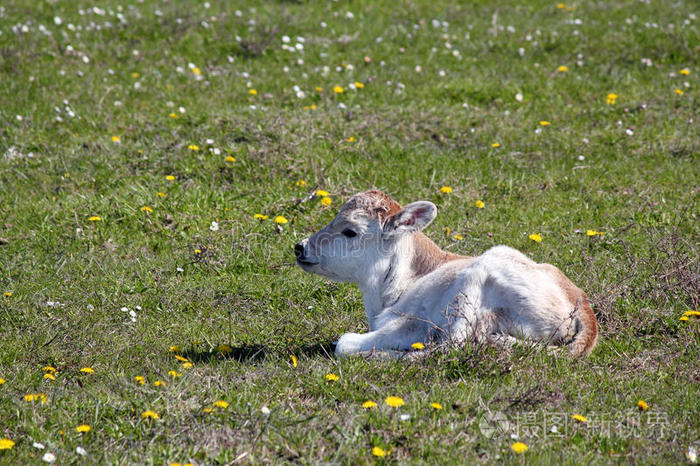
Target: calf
415,292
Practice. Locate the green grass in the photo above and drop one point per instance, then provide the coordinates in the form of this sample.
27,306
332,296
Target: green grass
414,131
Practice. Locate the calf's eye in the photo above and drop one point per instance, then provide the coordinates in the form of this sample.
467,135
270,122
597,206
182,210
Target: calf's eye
349,233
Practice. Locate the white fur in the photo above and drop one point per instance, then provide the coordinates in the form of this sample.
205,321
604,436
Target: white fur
500,296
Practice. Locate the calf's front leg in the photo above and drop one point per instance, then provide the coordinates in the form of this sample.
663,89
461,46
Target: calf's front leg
397,335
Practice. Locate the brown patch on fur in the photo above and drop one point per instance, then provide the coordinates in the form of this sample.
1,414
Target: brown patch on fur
589,335
428,256
586,338
375,203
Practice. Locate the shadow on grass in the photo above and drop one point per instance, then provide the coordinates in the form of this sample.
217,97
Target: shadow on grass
257,353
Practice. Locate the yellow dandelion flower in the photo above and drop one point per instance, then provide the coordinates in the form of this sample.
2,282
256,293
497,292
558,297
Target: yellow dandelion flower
359,85
691,313
436,406
580,418
29,397
642,405
678,91
562,69
445,190
321,193
253,92
544,123
332,377
159,383
196,71
610,99
394,401
300,183
175,349
193,147
224,348
519,447
261,216
479,204
174,374
140,379
160,194
187,365
447,231
2,381
135,75
495,144
418,345
350,139
88,370
338,89
684,318
369,404
150,414
49,376
685,71
207,410
294,360
325,200
221,404
380,452
458,237
181,359
319,88
147,209
230,159
280,220
536,237
49,369
83,428
561,6
174,115
7,294
94,218
116,139
170,177
6,444
591,233
197,251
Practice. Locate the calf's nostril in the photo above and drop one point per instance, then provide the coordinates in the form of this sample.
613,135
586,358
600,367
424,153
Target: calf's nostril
299,250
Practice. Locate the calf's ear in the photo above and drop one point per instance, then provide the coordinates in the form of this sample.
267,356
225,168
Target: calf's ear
414,217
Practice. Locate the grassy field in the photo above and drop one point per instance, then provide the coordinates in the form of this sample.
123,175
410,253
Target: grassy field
139,139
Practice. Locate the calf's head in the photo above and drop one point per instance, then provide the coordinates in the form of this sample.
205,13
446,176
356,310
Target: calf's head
366,233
